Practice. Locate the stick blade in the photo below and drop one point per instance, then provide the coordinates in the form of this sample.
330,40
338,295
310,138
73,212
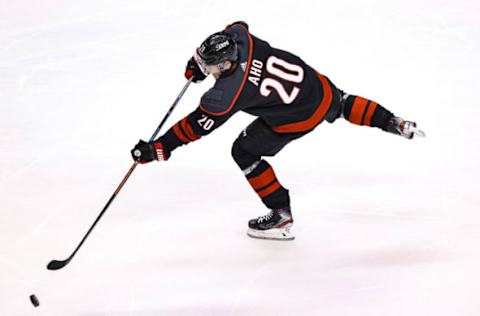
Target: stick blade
56,265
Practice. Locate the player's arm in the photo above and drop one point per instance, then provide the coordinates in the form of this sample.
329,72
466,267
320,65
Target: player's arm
189,129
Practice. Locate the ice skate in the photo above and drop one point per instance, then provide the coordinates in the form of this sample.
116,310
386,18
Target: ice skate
275,225
404,128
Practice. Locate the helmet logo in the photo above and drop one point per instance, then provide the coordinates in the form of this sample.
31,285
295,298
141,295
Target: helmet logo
219,46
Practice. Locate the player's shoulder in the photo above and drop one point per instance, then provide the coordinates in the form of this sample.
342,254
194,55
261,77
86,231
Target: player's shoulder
237,24
238,30
214,101
219,99
213,97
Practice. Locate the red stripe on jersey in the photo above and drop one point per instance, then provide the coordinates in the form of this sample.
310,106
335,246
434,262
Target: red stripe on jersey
262,180
179,133
187,128
243,81
316,118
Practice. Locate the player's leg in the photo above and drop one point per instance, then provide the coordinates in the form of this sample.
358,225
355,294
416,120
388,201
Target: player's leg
361,111
255,141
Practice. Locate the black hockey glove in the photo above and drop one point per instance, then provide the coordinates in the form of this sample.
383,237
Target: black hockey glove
193,70
146,152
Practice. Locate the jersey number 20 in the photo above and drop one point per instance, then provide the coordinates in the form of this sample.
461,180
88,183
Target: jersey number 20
294,75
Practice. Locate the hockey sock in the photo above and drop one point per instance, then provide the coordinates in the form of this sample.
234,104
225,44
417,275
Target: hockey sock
361,111
263,180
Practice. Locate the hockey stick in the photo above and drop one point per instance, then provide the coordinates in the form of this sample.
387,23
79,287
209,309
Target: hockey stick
58,264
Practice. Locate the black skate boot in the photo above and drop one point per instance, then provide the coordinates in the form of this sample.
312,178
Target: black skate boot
275,225
404,128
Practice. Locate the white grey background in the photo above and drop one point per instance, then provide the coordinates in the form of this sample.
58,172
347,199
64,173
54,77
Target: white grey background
384,226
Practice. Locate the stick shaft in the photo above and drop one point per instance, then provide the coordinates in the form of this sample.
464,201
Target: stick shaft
180,95
129,173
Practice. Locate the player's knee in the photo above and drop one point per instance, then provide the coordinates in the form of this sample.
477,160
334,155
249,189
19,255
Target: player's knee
241,156
237,152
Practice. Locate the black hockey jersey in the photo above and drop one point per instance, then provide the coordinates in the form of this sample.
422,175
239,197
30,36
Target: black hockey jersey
275,85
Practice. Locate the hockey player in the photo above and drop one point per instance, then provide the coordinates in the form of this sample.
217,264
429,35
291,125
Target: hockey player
289,97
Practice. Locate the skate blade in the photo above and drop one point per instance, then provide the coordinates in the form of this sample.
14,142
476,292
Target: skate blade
419,133
272,234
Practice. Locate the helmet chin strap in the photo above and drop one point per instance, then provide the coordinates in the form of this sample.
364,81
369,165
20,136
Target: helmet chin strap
221,66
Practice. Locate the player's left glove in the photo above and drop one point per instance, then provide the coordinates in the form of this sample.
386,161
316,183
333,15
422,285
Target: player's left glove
146,152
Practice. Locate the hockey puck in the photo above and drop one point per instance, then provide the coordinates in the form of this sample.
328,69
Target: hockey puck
34,300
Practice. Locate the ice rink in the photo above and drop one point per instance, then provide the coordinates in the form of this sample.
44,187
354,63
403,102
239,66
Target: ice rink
383,225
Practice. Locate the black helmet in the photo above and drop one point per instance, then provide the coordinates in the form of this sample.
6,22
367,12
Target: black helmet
218,48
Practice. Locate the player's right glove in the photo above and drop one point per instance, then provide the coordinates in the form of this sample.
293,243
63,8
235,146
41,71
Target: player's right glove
146,152
193,70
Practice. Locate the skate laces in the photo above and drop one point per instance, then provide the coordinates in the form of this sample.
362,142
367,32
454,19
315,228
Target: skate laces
265,218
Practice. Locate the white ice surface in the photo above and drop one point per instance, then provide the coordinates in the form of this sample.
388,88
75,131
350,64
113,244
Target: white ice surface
384,226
